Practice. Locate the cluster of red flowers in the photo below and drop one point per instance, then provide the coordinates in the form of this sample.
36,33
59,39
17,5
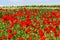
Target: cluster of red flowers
48,22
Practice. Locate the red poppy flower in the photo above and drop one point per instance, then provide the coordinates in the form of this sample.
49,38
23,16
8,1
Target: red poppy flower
43,16
10,36
53,13
5,17
36,10
42,38
50,27
48,31
20,39
58,22
55,23
56,34
34,14
29,38
9,30
1,39
47,13
50,16
30,11
45,21
49,21
15,21
12,19
27,12
3,20
59,33
54,30
0,9
28,22
1,30
45,29
28,31
13,15
4,37
58,16
28,16
23,24
14,32
40,32
19,13
25,9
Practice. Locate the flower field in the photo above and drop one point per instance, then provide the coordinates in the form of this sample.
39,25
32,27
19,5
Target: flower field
30,23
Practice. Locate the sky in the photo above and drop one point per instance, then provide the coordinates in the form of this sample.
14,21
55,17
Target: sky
28,2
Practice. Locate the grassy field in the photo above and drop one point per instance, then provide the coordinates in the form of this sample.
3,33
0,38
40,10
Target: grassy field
19,30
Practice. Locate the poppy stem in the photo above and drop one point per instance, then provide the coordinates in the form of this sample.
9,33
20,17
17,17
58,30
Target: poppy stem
56,38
